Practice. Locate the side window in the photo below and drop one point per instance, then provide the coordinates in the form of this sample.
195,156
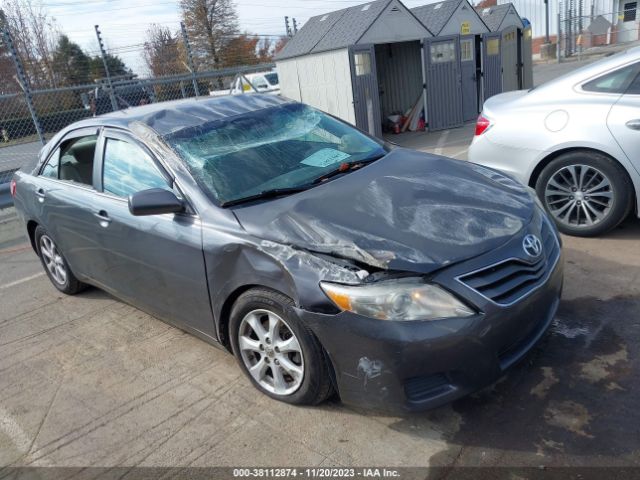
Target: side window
50,169
615,82
76,160
129,169
634,88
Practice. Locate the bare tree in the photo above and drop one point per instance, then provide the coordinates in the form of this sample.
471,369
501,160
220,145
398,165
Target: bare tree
211,25
35,36
162,52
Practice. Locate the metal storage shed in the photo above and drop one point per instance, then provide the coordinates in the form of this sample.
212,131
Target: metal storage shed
458,17
331,62
516,45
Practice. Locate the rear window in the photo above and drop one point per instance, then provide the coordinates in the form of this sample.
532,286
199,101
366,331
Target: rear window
272,78
614,82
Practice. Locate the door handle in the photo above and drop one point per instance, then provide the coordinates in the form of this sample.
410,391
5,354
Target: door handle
40,194
103,217
633,124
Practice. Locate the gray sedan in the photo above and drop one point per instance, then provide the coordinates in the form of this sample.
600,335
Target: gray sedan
325,260
576,140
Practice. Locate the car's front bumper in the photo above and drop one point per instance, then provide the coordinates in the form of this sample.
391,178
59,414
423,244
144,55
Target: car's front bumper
417,365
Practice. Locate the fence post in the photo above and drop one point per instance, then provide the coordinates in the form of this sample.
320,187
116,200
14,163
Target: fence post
187,47
112,93
559,42
21,76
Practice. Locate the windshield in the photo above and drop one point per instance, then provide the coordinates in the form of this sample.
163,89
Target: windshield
272,78
284,147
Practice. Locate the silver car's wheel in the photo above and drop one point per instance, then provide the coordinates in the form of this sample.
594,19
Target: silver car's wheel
587,193
271,352
53,261
579,195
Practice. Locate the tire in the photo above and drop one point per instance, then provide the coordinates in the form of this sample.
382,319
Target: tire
586,193
265,306
54,263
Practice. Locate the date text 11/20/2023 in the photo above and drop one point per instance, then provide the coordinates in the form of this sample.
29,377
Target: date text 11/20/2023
315,473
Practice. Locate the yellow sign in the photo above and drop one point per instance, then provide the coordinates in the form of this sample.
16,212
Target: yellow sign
465,28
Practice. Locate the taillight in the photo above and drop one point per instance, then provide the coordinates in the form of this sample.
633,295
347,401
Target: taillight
12,187
482,124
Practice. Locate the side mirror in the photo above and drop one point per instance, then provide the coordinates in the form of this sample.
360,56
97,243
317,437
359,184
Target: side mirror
154,201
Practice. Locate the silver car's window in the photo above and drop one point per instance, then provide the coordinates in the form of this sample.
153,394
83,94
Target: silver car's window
272,78
614,82
129,169
76,160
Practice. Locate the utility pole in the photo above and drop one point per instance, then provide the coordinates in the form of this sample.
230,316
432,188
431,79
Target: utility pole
187,47
546,15
295,26
21,77
287,27
112,94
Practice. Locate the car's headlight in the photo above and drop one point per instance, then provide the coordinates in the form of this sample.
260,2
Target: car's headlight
406,299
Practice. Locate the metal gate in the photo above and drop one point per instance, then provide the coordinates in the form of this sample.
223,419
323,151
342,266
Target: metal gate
469,79
510,64
526,60
491,65
366,98
442,78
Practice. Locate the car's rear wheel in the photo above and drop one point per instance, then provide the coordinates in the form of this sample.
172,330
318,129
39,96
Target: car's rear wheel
276,351
586,193
55,265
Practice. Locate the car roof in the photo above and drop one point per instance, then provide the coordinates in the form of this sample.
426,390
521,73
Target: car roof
169,117
581,74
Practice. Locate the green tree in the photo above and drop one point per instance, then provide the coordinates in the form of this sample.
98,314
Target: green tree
71,64
116,67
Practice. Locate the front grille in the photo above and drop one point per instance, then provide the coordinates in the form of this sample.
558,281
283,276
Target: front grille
508,281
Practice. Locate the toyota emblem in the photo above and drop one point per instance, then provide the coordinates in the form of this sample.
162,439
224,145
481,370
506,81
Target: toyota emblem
532,246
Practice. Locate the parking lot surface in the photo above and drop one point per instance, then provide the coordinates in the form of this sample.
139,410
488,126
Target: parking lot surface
91,381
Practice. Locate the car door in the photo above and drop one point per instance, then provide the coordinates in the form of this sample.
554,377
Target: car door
154,261
65,192
624,121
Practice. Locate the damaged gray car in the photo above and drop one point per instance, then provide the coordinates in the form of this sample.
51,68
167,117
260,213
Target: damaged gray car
325,260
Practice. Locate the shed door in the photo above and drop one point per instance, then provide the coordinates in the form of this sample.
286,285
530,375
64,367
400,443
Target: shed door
491,65
443,81
526,60
366,98
510,64
469,78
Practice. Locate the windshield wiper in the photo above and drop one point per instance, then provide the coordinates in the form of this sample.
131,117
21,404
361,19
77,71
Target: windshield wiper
347,167
272,193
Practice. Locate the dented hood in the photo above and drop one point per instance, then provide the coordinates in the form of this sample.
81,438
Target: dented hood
408,211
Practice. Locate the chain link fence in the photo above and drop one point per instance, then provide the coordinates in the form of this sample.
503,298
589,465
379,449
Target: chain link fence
56,108
580,31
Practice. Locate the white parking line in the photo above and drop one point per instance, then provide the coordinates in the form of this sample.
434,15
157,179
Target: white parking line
441,141
457,154
22,280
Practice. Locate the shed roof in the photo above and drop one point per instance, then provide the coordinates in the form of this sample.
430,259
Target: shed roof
338,29
494,16
436,15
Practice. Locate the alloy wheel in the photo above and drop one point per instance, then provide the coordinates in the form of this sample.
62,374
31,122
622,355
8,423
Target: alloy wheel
271,352
579,195
53,260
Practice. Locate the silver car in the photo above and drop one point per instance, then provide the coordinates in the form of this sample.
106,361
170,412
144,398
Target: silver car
576,140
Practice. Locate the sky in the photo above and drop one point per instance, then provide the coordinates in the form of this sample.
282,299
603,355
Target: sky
123,23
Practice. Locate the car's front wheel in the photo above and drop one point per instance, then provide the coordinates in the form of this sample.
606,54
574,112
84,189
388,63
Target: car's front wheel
55,265
586,193
277,352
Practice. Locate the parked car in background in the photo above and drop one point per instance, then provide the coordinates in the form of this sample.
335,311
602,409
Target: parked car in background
576,140
322,258
264,82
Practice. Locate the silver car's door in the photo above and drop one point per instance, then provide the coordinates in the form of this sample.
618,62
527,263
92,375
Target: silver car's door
624,122
153,261
64,193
